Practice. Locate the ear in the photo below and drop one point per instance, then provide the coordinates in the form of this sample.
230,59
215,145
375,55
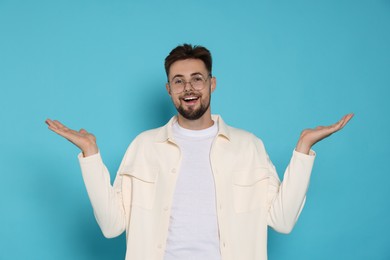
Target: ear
168,88
213,83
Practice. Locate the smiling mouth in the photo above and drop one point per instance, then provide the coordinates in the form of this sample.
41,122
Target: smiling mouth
191,99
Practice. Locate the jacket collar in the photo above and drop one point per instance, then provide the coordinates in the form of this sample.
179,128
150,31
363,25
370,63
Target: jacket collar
165,133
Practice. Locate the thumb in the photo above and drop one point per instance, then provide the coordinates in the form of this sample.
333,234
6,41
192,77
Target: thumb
83,131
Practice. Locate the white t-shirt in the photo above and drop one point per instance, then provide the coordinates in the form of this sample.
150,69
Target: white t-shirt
193,230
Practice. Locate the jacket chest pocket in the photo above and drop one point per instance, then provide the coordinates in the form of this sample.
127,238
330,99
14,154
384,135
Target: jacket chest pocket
142,182
250,189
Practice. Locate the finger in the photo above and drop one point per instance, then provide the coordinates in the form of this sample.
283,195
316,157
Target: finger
333,128
347,118
50,123
57,129
338,125
341,123
343,120
54,124
59,125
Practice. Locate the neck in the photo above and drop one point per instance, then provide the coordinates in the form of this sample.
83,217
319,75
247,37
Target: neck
202,123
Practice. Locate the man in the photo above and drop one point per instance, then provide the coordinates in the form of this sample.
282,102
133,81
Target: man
195,188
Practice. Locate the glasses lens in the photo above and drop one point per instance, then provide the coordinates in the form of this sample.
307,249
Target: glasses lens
197,82
177,85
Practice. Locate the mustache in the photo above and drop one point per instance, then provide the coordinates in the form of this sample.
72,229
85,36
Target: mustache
191,94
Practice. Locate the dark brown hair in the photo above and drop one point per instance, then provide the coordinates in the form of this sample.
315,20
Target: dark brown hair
187,51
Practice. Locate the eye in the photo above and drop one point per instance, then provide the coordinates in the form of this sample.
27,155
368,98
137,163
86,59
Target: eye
197,79
178,81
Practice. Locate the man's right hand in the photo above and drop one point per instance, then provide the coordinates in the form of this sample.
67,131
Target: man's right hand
82,139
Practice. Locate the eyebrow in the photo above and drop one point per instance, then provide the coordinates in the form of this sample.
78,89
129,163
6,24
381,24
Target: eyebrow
192,74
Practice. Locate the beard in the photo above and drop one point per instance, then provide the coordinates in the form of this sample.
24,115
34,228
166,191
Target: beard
194,113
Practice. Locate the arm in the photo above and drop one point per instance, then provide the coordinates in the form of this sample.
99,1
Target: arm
287,198
106,200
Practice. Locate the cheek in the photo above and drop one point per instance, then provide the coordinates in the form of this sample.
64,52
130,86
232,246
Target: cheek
176,100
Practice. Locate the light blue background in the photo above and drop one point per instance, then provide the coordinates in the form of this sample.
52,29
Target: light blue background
281,66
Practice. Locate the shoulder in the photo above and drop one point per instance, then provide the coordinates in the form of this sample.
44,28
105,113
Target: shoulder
142,147
244,136
239,137
240,133
147,136
245,147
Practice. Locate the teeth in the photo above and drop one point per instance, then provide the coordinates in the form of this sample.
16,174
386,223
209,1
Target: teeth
190,98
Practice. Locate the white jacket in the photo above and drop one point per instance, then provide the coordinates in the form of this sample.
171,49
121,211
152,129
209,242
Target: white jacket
248,192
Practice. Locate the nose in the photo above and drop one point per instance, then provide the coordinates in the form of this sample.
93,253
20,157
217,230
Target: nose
187,83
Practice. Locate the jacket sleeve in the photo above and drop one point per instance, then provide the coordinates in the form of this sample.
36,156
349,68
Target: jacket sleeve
106,199
286,199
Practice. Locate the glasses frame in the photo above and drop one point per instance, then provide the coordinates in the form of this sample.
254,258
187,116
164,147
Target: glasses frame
205,79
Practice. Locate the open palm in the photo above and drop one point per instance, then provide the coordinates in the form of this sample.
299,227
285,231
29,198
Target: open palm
309,137
82,139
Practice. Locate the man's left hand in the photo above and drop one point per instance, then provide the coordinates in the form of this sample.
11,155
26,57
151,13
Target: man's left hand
309,137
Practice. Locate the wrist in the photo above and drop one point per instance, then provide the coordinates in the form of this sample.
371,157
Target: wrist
91,150
303,147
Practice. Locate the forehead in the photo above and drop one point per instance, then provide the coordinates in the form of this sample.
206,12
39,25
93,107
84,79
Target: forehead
187,67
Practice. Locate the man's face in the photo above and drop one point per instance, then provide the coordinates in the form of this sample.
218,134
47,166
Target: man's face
191,104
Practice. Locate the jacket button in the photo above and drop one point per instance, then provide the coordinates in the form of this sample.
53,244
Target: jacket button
173,170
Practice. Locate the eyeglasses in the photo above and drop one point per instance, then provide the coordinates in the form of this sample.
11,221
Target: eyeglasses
197,82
